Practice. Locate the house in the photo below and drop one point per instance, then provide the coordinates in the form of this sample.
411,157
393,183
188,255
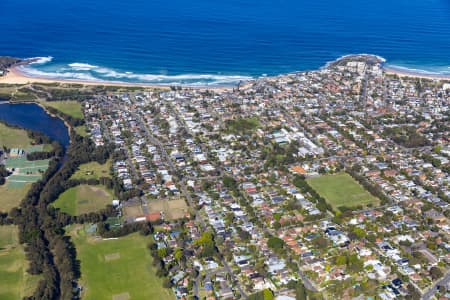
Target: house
298,170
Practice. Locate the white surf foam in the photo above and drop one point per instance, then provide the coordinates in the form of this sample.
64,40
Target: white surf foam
417,71
40,60
87,72
57,75
197,79
82,66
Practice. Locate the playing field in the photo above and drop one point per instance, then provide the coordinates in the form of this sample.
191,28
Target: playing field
13,138
12,195
83,199
341,190
25,171
15,283
71,108
172,209
93,170
117,269
133,211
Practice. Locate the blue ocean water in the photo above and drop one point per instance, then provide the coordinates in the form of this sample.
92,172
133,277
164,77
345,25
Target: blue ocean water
219,42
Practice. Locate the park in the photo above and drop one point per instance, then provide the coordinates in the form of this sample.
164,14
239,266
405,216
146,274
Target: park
341,190
118,268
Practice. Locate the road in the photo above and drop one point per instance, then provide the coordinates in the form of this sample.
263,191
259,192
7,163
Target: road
306,282
202,146
134,172
184,191
433,289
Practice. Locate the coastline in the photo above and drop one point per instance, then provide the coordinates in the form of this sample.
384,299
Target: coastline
412,74
15,76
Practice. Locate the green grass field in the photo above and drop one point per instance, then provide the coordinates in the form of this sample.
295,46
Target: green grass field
242,125
117,269
71,108
15,283
83,199
341,190
47,148
13,138
93,170
81,130
11,195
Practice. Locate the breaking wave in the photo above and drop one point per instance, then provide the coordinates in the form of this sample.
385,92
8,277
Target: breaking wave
41,60
442,71
40,67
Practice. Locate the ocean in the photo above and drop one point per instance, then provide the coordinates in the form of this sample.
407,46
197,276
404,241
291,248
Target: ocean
211,42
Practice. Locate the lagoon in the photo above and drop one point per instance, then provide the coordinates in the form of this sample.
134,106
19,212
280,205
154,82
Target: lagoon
32,116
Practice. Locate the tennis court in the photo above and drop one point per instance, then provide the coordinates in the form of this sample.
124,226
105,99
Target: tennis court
25,171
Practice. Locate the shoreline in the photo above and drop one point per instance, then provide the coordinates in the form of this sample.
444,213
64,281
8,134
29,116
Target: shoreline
15,76
413,74
70,129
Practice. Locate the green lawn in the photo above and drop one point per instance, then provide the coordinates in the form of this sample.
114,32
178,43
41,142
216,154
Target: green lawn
242,125
83,199
13,138
47,148
341,190
11,195
93,170
71,108
15,283
81,130
120,267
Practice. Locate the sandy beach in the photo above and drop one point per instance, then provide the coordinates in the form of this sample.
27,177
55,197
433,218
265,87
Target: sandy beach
15,76
405,73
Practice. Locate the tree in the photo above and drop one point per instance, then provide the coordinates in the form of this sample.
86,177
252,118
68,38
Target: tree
261,268
276,225
341,260
413,293
354,263
262,295
275,243
162,252
300,291
178,254
360,233
206,244
436,273
320,242
229,183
